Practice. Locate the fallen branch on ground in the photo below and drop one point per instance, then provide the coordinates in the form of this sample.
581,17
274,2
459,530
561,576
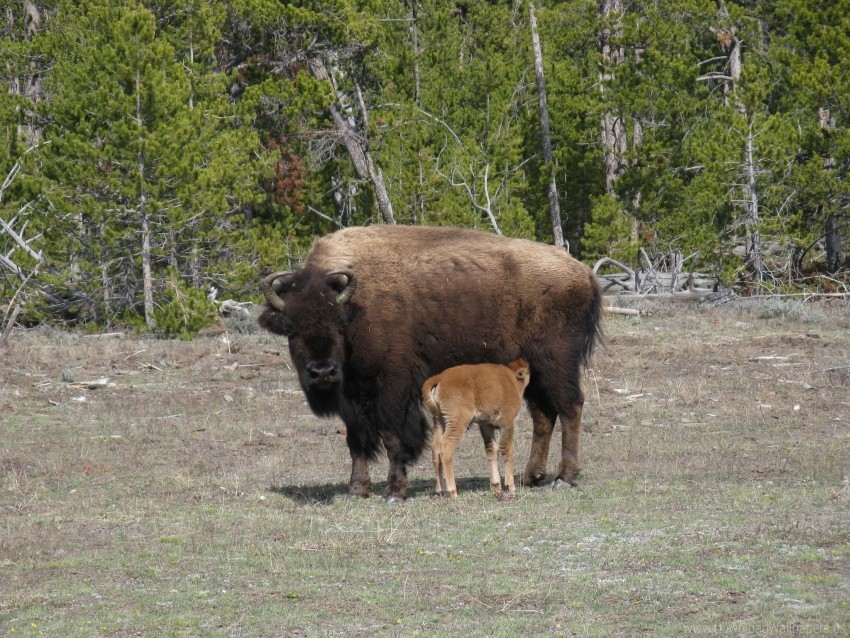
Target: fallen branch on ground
614,310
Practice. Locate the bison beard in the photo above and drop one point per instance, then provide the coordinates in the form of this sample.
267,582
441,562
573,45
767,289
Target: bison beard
375,311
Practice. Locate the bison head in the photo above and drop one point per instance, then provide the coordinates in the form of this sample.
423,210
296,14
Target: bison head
309,307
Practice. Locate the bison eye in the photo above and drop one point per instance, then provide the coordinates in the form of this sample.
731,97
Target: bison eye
288,330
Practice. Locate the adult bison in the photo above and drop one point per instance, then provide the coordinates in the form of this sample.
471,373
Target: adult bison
375,311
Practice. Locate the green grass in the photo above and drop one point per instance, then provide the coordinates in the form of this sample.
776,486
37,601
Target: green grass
612,560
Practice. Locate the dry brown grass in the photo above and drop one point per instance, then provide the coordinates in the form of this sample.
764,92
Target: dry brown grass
198,496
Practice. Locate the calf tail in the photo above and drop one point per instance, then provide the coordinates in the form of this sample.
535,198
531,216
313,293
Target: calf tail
429,389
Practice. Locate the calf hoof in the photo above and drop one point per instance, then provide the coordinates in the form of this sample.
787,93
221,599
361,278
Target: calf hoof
507,496
561,484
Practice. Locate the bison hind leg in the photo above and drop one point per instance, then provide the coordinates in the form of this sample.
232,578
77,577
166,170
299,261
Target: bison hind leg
570,428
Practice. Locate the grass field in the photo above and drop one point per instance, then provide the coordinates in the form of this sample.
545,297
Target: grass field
195,495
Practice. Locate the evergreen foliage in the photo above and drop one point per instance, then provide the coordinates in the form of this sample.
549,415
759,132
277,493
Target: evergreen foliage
165,147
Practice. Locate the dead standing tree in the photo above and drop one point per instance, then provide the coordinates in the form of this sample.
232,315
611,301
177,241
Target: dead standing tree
728,76
554,205
356,139
15,275
614,134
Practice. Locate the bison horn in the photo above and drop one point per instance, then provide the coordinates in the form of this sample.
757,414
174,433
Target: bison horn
346,293
267,288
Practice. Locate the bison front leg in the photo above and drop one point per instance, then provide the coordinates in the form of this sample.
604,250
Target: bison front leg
360,483
398,485
543,416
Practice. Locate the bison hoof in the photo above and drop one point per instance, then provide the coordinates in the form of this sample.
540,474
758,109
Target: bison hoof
533,481
560,484
357,491
392,499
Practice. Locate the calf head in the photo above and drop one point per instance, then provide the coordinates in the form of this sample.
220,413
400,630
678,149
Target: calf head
522,371
309,307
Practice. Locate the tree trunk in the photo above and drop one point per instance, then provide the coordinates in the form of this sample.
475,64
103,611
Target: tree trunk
637,142
833,243
726,35
30,84
613,128
10,323
754,248
418,198
357,145
106,284
147,273
832,228
554,204
414,32
614,134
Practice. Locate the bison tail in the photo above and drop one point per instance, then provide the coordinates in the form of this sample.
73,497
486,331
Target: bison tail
592,322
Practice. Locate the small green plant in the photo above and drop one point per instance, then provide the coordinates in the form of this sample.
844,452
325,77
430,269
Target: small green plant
183,311
793,310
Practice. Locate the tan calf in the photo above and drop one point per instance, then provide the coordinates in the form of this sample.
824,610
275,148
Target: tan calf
487,394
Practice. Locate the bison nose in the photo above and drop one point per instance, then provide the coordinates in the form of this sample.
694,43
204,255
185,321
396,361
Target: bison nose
321,370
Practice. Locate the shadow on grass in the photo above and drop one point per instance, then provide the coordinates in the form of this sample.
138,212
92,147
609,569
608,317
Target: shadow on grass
327,493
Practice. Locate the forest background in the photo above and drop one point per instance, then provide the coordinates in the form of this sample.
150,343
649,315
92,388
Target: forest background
156,155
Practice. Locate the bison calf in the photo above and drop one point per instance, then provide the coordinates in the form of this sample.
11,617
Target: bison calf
487,394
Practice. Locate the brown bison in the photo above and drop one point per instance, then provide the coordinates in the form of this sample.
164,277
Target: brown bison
487,394
375,311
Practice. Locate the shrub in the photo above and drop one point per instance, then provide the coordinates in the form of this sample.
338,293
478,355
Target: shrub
184,310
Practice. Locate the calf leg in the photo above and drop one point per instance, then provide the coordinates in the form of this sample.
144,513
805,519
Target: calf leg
455,427
491,446
440,487
506,447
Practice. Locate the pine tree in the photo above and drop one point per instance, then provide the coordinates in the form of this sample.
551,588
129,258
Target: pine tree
141,156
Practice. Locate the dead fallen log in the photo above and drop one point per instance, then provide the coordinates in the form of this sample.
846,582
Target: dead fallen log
687,295
615,310
94,384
